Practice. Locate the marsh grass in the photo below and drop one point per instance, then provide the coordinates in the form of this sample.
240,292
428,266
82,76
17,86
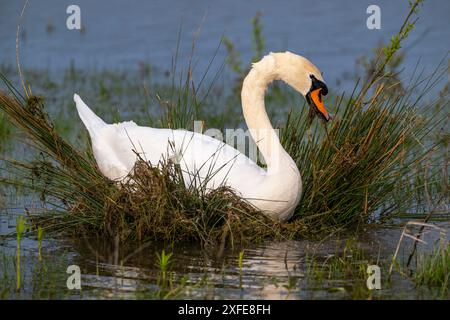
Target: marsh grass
5,130
44,279
433,270
40,234
362,167
344,272
350,262
20,229
163,263
240,265
153,203
352,170
168,286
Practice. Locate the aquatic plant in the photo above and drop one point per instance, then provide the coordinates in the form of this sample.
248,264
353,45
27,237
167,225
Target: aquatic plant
163,264
353,168
168,286
20,229
234,61
433,270
240,264
161,207
348,261
366,164
45,279
39,237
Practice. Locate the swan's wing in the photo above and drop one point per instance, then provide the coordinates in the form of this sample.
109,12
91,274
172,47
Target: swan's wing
207,159
202,158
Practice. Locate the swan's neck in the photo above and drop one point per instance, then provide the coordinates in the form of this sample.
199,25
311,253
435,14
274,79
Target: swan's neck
258,122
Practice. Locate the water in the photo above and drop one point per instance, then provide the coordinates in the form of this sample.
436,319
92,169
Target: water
270,270
119,35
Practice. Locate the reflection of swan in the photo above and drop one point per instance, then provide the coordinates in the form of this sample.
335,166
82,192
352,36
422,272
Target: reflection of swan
276,191
268,269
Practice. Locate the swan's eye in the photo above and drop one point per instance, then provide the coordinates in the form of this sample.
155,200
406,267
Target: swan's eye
316,84
324,90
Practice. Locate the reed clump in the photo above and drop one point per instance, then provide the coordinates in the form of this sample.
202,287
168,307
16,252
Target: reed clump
433,270
365,164
151,203
154,203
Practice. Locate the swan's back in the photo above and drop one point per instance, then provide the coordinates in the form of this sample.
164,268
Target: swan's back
200,156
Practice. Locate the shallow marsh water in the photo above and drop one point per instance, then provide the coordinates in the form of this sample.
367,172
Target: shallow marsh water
269,270
116,36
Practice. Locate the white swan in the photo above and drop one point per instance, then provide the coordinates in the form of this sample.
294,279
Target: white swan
276,191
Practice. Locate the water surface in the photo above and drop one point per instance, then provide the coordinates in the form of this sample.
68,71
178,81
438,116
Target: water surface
119,35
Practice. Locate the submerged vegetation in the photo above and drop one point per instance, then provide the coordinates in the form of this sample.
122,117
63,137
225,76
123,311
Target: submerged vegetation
371,162
20,227
433,270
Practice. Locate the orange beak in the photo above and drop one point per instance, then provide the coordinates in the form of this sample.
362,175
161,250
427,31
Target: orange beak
316,98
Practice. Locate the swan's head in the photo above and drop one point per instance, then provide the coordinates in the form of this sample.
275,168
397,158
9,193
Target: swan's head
304,77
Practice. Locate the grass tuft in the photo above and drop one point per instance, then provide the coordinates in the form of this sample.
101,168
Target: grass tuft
433,270
364,165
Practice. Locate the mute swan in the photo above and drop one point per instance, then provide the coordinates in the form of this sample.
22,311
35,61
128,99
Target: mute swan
275,191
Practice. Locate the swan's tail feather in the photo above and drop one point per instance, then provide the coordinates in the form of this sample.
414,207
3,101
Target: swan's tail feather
89,118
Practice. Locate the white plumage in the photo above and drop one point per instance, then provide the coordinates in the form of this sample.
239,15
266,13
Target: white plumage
276,191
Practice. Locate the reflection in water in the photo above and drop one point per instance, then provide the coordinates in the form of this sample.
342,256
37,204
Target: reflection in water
272,270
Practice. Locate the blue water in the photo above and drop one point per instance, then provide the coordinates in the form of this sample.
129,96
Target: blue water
120,34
